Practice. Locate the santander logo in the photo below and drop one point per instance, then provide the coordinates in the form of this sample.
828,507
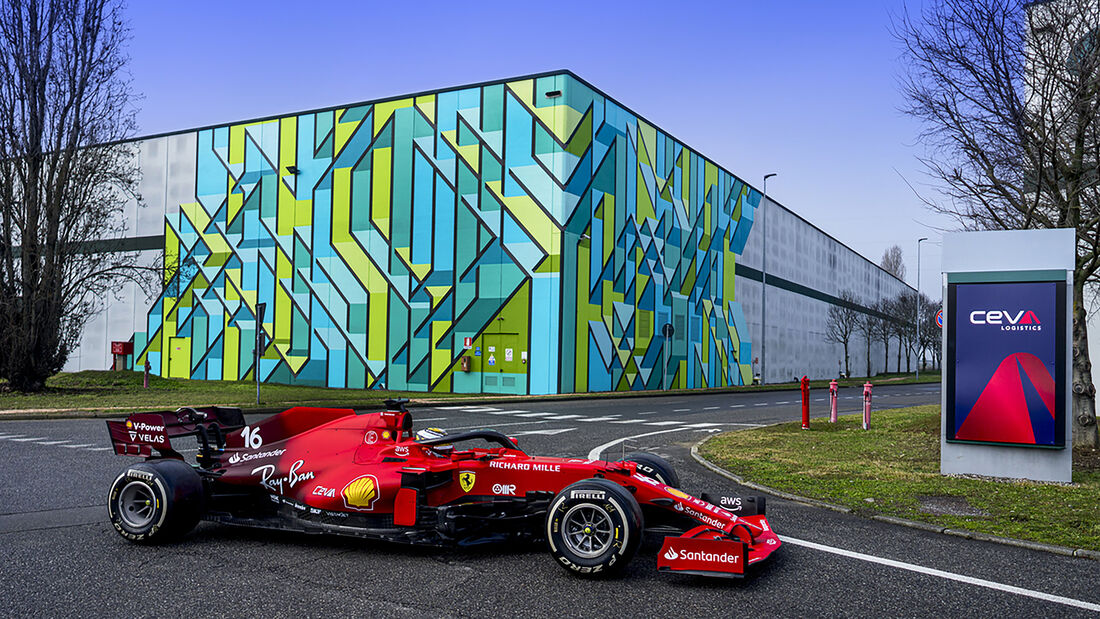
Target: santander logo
1023,320
671,554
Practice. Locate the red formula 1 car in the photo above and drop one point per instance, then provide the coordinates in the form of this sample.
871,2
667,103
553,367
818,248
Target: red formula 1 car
324,470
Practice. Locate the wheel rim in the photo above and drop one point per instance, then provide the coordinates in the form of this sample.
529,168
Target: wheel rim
137,505
588,531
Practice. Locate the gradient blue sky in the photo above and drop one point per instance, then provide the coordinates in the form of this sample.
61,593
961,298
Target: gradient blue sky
805,89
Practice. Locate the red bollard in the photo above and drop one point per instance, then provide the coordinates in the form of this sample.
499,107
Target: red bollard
832,401
866,405
805,403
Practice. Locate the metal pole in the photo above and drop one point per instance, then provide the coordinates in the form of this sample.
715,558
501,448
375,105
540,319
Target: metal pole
919,241
260,307
764,283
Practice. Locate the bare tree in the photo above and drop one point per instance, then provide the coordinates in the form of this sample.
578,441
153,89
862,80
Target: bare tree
1009,94
866,325
65,103
893,263
903,310
841,322
884,331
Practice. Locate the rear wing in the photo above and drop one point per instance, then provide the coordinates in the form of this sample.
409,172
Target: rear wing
141,433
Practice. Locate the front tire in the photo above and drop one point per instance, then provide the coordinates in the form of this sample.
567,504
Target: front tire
594,527
655,467
156,501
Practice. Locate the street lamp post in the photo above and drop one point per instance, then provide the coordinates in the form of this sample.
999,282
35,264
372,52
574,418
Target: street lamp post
764,283
919,241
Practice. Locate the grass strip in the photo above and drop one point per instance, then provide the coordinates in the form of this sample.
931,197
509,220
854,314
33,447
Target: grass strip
893,469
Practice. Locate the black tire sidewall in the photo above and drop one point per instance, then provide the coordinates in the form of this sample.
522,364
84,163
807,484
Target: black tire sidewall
655,467
626,520
178,497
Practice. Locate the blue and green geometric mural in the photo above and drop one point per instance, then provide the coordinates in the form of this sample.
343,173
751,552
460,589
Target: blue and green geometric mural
532,225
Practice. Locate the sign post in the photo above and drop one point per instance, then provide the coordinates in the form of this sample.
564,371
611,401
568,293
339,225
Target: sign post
260,307
1006,342
668,331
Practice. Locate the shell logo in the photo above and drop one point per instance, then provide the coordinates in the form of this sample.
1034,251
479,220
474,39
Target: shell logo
361,493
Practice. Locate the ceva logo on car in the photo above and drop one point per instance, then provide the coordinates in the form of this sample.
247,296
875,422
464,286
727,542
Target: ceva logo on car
1023,320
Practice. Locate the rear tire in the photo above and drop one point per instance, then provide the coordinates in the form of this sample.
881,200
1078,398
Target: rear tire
594,527
656,467
156,501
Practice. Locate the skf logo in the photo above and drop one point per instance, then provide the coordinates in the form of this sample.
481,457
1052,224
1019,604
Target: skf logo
361,493
1003,317
466,479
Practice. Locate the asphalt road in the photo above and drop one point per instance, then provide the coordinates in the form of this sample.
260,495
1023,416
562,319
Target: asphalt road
60,555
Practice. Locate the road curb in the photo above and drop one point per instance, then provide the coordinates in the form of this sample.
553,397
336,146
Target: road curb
912,524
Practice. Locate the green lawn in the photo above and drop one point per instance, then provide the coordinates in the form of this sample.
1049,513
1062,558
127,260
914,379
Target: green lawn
893,469
93,390
104,390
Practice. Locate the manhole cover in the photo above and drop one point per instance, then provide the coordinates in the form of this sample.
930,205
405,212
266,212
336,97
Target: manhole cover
949,506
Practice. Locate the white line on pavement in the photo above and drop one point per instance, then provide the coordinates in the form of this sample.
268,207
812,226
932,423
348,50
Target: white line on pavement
500,412
421,420
51,442
479,409
445,408
706,408
648,413
629,421
680,410
104,448
500,425
663,423
738,406
590,419
596,451
761,404
558,417
531,414
24,440
81,445
784,402
4,436
920,569
702,425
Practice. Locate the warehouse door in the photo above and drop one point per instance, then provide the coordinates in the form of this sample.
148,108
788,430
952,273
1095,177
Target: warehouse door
179,357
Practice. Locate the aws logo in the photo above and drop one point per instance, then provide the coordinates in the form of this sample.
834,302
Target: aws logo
1003,317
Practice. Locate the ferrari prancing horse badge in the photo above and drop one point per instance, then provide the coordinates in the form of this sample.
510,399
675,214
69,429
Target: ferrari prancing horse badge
466,479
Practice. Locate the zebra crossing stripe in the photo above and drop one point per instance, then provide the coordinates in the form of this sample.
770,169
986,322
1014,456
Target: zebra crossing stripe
663,423
591,419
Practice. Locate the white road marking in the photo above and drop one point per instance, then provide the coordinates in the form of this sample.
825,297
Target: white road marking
500,412
425,420
819,399
663,423
556,417
920,569
710,408
480,409
648,413
51,442
4,436
104,448
784,402
596,451
24,440
533,415
449,408
78,446
499,425
546,432
702,425
747,425
590,419
680,410
738,406
629,421
761,404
